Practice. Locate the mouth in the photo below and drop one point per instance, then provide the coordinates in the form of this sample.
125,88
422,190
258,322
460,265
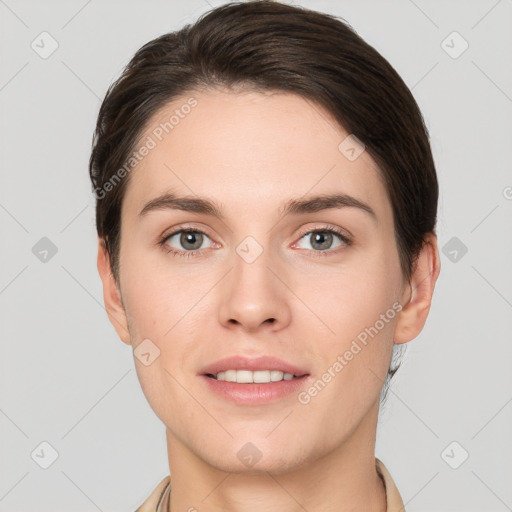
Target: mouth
245,380
247,370
253,377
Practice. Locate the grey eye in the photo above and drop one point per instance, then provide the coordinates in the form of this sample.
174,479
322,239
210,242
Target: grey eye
322,240
187,240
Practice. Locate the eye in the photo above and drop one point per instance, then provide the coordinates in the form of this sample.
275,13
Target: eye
321,240
189,241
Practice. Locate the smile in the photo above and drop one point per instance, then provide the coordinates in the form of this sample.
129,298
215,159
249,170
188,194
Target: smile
249,377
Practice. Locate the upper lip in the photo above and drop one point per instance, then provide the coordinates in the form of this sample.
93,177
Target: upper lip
253,364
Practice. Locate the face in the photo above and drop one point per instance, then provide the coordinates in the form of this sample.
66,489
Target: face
317,285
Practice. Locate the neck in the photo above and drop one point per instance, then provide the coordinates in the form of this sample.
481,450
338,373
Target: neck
343,480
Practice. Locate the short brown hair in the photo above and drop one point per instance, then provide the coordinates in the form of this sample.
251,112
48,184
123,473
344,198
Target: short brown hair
269,46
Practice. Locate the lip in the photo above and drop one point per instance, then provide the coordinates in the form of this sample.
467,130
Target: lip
253,364
255,394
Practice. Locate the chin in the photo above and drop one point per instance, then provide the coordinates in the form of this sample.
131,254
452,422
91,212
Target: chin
255,458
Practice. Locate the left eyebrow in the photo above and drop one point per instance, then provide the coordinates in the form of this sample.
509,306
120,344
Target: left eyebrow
294,206
326,202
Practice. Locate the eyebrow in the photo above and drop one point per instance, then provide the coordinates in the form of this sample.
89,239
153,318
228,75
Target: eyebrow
294,206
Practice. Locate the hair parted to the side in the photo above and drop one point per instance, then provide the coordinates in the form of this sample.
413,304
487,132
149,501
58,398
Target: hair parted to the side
267,46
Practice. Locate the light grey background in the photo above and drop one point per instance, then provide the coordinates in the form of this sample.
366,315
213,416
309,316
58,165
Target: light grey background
65,377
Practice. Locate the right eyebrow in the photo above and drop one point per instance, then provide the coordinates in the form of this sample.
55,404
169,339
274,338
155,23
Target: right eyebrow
188,204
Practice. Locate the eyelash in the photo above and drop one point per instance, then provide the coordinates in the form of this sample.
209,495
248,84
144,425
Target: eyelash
188,254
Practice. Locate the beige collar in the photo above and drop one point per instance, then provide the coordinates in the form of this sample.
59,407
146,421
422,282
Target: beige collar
160,495
393,499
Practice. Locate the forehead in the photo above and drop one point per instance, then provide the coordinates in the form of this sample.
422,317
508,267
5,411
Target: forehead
250,149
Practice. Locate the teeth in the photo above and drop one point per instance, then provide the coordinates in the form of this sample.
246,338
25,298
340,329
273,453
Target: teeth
248,377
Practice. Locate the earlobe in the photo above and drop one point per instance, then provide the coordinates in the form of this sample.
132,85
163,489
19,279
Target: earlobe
111,294
414,313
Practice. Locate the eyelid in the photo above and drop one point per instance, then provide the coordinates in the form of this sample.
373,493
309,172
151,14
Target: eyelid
328,227
184,227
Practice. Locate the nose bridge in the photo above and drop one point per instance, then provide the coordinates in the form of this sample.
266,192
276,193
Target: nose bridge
254,295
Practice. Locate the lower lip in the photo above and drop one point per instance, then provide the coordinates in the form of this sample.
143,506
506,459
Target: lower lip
254,394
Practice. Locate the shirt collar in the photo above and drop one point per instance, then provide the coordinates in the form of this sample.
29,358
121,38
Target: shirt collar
394,502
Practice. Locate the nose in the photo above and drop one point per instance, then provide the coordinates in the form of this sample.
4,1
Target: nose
253,297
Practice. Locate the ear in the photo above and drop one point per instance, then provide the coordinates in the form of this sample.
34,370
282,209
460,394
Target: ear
417,297
111,294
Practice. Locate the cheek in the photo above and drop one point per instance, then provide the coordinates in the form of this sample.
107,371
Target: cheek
358,308
155,294
161,308
353,297
354,358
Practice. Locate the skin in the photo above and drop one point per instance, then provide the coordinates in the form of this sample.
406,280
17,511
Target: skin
252,152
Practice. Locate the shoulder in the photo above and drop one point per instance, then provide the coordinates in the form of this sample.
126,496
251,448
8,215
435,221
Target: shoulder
153,500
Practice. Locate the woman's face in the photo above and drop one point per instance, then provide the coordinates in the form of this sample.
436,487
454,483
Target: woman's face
258,282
